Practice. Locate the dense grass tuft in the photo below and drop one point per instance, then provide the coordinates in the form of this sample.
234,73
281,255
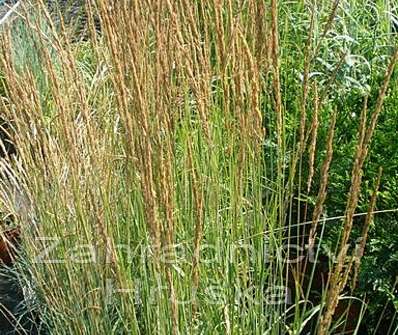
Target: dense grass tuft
173,167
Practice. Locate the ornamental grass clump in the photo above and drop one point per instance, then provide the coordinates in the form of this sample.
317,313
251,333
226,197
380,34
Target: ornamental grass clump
169,159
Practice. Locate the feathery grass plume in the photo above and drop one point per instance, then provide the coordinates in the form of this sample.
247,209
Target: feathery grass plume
309,56
143,153
322,192
276,83
360,249
139,120
261,47
148,119
313,141
336,283
306,71
278,110
328,25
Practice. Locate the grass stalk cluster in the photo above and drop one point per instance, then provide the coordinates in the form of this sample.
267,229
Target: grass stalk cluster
163,165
